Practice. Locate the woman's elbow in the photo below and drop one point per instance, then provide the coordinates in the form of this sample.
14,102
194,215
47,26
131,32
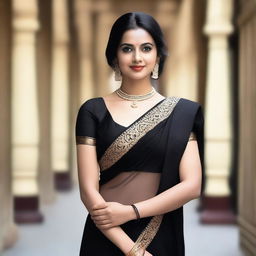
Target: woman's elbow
196,187
91,199
83,198
194,191
192,188
197,194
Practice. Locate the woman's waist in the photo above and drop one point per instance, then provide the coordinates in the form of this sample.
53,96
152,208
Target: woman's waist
131,187
112,173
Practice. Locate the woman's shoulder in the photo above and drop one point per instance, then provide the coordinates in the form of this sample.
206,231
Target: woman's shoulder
186,106
90,104
186,101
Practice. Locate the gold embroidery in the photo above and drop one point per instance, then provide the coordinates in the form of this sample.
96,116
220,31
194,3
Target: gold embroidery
192,136
147,235
131,135
85,140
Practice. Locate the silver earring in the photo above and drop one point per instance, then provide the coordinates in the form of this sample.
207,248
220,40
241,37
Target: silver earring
155,71
118,76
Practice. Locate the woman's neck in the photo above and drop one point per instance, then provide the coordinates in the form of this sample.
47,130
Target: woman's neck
136,87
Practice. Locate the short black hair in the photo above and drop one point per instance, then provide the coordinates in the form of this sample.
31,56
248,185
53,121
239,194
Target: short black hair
134,20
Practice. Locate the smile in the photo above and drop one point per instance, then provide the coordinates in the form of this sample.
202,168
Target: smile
137,68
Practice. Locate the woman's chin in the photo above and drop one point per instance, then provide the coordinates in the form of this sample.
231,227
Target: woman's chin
137,77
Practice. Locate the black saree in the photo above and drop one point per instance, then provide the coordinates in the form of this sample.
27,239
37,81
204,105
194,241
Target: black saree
138,162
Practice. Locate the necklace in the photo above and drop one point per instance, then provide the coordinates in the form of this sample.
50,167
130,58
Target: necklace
135,98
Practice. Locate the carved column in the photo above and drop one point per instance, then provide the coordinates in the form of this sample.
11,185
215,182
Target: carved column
182,78
218,121
44,44
24,116
166,12
103,80
60,96
84,29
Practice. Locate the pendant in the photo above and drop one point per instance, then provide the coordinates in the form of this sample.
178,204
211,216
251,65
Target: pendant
134,105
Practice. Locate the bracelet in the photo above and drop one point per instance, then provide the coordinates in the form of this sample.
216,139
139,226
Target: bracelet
136,211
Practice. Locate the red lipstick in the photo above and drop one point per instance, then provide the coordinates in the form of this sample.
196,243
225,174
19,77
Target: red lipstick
137,68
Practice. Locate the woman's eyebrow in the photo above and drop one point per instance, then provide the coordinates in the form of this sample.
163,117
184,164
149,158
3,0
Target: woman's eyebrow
148,43
126,44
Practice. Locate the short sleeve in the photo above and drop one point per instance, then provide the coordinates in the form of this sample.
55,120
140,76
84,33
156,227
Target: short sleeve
198,126
198,130
85,130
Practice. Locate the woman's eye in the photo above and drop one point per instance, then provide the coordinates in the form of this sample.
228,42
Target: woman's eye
126,49
147,49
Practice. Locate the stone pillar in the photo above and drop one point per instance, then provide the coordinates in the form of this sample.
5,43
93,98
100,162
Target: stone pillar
8,231
218,121
84,29
165,14
44,44
83,16
182,65
60,96
105,19
24,115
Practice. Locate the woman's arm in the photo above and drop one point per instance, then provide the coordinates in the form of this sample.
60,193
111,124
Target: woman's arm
90,196
189,188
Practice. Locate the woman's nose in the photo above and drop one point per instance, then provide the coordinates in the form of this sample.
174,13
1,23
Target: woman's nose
137,56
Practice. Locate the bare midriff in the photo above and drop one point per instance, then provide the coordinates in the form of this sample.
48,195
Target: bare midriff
131,187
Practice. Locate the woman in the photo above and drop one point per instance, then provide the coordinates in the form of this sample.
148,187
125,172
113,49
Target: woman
140,154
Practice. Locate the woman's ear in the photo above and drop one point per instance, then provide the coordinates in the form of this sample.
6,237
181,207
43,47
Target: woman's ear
158,59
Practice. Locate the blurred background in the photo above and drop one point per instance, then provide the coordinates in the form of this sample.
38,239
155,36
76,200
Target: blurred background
52,60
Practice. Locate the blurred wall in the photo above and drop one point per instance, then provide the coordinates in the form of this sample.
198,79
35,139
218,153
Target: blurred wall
247,123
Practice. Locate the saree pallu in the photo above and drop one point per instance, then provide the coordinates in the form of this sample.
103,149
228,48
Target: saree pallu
141,161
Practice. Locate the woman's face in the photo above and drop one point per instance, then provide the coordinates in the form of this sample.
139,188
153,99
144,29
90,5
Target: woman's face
136,54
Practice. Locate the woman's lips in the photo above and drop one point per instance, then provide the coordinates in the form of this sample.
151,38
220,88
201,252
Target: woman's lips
137,68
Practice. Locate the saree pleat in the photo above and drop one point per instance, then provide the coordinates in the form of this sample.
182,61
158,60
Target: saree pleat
141,162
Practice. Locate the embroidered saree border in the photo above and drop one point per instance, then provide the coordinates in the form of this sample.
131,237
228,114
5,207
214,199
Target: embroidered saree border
125,141
147,235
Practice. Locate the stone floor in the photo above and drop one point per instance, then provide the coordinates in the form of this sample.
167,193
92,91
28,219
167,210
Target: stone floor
61,232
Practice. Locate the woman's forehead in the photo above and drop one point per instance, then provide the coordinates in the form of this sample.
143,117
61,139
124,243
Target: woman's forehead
136,36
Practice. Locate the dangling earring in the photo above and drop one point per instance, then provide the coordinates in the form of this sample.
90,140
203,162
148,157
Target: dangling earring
155,71
118,76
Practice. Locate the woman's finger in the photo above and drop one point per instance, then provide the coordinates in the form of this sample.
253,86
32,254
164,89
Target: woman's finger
102,222
104,226
99,217
99,206
99,212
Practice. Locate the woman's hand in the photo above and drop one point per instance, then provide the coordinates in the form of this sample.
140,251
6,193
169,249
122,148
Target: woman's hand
111,214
